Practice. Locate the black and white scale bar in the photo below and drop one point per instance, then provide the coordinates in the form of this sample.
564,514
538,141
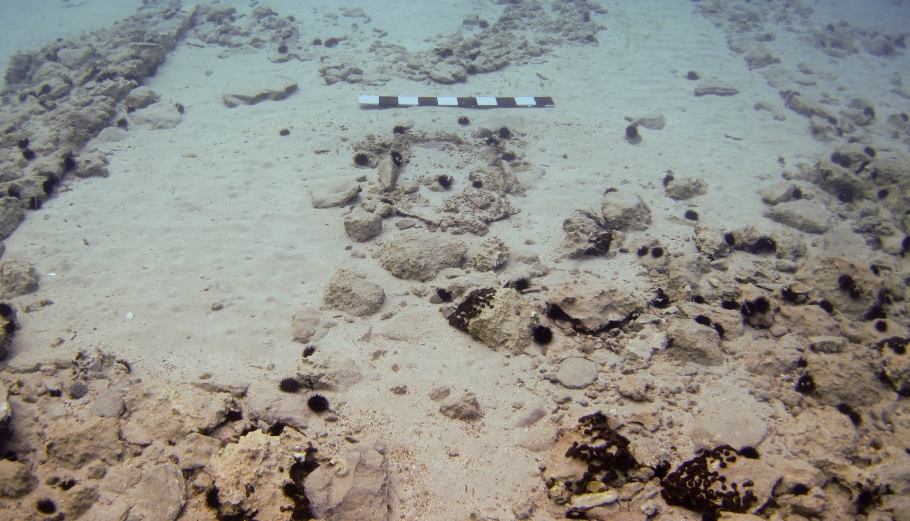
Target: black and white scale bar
478,102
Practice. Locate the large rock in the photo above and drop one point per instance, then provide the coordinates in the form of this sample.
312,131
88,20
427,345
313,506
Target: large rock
624,211
420,255
352,293
355,489
803,215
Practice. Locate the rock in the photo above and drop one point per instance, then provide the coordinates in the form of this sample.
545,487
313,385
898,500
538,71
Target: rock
355,489
837,181
634,388
260,89
539,438
387,171
335,195
17,278
683,188
160,493
827,344
448,73
11,214
156,117
16,480
735,422
139,98
851,377
711,242
530,417
490,255
623,211
250,477
466,409
109,404
759,58
92,164
196,450
803,215
595,303
416,254
576,373
897,364
778,193
361,225
646,342
307,326
5,414
73,445
714,87
596,499
695,343
822,436
651,121
352,293
796,472
504,323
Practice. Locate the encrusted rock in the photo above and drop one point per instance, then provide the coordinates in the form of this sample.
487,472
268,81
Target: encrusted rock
15,479
250,477
711,242
595,303
352,293
498,318
491,254
11,214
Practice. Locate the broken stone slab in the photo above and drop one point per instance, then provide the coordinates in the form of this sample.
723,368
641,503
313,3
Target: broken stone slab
714,87
803,215
356,488
334,195
260,89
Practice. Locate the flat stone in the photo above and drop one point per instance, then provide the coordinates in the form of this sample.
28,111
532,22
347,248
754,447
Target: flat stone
334,195
576,373
803,215
260,89
736,424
